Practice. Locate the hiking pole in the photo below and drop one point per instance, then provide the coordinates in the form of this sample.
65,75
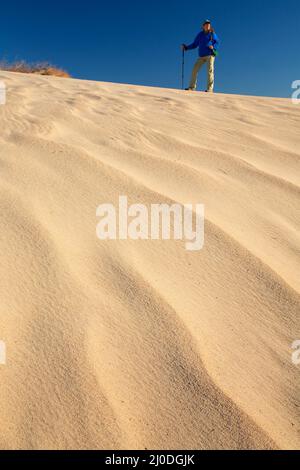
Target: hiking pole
182,74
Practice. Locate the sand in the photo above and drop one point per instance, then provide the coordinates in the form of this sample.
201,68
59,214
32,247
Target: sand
142,344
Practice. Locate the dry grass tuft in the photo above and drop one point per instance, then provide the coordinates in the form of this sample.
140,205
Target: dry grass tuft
43,68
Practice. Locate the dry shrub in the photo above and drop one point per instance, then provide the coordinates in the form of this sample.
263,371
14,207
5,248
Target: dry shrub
43,68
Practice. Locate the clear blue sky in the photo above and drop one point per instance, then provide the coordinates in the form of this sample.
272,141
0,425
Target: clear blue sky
138,42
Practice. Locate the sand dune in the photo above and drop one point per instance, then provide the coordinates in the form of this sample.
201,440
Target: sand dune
141,344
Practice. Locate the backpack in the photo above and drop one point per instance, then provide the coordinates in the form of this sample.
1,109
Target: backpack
214,52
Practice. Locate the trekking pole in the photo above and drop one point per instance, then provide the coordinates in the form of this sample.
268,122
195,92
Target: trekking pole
182,74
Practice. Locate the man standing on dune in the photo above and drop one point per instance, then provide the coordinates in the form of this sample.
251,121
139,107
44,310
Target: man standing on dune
207,41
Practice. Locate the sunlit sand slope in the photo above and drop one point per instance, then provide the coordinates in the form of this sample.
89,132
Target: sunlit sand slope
142,344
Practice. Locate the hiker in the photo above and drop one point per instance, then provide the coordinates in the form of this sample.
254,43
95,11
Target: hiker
207,41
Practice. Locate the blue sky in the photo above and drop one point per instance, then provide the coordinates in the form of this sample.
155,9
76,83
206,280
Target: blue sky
138,42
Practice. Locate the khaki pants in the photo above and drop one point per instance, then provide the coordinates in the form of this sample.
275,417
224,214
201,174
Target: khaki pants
210,61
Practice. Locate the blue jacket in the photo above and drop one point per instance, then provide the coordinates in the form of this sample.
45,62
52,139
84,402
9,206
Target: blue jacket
203,41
